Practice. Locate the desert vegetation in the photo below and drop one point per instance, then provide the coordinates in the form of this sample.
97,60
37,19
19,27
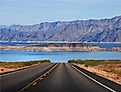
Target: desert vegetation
10,66
110,69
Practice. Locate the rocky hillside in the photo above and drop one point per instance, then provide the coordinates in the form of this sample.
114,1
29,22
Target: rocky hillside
103,30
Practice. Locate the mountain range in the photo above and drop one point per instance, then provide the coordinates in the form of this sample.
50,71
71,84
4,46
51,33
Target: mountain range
92,30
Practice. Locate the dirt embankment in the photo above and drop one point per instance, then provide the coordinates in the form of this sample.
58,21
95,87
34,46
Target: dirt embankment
60,47
107,69
52,48
13,66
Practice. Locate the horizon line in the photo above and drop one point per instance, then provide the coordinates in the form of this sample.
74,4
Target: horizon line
61,21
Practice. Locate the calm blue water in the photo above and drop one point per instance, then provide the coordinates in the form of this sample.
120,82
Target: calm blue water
56,56
107,45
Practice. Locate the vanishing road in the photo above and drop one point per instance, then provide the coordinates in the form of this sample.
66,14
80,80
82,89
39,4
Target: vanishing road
55,78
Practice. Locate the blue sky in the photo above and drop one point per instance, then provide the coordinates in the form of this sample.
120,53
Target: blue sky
36,11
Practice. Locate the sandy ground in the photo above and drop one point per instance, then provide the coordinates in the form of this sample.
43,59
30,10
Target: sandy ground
3,69
51,48
99,71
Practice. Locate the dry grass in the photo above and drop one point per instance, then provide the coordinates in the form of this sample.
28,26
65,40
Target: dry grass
113,66
110,69
11,66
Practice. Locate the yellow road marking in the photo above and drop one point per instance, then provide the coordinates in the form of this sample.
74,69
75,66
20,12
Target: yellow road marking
48,72
40,78
44,75
34,82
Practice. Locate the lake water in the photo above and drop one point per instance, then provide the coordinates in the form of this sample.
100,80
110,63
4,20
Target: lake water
12,56
107,45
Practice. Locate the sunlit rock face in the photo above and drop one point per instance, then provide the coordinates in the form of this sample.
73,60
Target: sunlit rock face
103,30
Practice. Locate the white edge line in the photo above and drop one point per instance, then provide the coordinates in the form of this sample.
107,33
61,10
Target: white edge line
94,79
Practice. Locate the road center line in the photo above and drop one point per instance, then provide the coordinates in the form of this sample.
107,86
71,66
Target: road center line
110,89
39,78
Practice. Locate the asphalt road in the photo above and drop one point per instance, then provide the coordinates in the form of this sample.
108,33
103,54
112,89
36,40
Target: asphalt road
12,82
66,79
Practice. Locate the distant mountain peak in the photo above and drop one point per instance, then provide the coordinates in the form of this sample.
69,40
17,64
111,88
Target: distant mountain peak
92,30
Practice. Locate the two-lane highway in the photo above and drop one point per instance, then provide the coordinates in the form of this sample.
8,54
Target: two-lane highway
66,79
63,78
12,82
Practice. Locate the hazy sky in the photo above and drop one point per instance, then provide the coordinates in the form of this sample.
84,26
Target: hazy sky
36,11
